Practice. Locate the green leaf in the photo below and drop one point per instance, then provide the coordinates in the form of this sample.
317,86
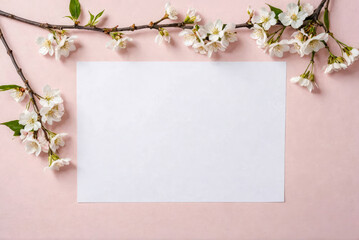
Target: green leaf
277,11
91,17
93,20
15,126
75,9
8,87
326,18
70,17
99,15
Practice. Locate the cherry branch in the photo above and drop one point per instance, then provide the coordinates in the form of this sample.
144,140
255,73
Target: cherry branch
30,91
318,10
133,27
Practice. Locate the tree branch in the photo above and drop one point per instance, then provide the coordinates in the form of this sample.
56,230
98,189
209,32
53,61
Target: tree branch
317,11
32,94
155,25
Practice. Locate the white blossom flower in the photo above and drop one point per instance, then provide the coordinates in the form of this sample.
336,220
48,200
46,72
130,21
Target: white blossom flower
189,36
57,141
214,29
297,42
308,8
228,34
65,46
57,164
266,18
171,11
260,35
192,17
299,35
25,134
293,16
43,142
18,94
32,146
51,97
304,82
163,35
202,32
314,44
29,120
279,48
46,44
52,114
200,47
113,44
335,67
117,44
351,55
335,63
214,46
296,46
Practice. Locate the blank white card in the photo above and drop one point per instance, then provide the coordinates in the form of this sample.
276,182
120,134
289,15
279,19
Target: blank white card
181,131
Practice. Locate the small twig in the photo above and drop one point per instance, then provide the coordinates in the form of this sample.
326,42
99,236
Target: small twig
163,18
32,94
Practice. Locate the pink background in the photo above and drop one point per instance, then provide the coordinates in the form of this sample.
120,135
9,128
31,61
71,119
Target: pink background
321,188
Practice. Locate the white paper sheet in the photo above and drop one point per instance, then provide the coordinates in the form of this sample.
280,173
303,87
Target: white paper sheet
181,131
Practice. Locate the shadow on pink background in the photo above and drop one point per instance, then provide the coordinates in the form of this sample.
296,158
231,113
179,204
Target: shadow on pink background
322,138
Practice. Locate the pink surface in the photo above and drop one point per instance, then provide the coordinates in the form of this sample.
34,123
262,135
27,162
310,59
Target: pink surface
322,164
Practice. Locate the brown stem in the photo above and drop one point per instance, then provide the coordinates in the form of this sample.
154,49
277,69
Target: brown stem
163,18
316,13
32,94
327,4
134,27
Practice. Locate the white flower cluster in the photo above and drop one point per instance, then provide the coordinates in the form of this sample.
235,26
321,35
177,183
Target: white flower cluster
118,42
163,35
57,43
210,38
37,138
267,25
294,17
171,13
305,80
349,56
304,41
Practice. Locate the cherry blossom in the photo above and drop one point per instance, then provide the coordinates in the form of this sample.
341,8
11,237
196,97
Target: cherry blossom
30,121
293,16
46,44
